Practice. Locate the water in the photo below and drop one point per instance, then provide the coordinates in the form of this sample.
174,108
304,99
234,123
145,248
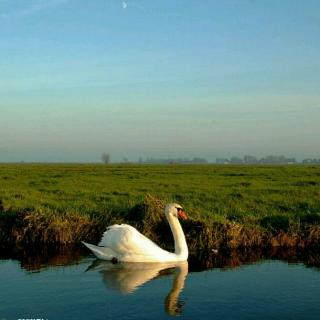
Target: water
73,285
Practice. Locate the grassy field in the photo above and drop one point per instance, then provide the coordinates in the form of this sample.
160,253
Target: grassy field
273,199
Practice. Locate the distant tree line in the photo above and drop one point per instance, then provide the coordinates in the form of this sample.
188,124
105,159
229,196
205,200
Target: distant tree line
247,159
174,160
311,161
254,160
265,160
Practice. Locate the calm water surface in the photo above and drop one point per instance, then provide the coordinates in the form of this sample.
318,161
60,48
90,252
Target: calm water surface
75,286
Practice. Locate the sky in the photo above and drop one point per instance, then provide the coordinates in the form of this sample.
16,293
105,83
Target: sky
163,79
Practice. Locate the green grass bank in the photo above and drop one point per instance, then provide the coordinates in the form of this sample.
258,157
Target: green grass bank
228,206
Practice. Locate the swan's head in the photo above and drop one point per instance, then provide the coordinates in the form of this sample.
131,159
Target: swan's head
175,210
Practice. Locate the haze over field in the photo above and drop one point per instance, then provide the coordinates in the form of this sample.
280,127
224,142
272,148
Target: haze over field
158,79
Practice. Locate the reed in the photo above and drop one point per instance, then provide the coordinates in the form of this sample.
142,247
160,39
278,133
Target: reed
31,228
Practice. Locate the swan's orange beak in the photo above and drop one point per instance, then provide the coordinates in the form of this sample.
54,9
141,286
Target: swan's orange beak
182,215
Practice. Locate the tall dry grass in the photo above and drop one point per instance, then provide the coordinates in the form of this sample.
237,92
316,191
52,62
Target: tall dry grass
30,227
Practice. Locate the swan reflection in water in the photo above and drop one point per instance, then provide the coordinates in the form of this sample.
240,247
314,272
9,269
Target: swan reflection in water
128,277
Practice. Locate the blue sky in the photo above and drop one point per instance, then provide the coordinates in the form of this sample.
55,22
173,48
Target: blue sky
158,78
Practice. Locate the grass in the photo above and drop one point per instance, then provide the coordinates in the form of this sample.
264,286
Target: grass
227,205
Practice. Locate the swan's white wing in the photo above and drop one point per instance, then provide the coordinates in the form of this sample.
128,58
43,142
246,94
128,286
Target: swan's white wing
126,240
103,253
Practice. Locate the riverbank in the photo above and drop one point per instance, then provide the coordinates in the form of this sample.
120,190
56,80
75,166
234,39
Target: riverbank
35,227
228,206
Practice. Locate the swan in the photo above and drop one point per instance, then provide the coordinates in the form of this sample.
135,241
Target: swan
125,243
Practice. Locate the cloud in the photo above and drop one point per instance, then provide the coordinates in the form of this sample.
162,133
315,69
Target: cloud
32,8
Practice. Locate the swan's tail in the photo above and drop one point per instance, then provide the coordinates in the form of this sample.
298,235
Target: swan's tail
103,253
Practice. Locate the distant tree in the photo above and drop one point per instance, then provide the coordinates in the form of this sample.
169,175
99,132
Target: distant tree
105,157
222,160
250,159
236,160
311,161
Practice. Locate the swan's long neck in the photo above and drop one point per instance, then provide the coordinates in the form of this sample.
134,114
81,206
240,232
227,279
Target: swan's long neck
180,244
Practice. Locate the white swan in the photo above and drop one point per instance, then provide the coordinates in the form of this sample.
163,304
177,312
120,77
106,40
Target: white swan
125,243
